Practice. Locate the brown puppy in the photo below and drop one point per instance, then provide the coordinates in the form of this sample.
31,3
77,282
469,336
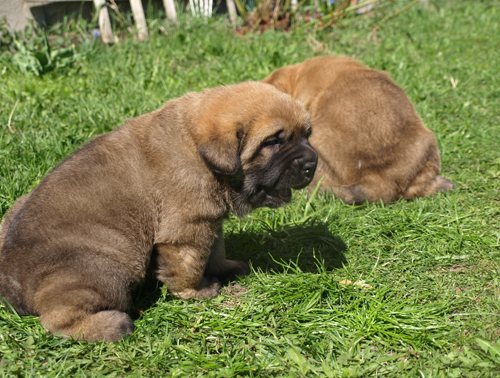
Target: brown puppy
154,191
371,143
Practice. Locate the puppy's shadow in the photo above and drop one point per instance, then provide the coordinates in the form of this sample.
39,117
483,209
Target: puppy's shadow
268,250
304,245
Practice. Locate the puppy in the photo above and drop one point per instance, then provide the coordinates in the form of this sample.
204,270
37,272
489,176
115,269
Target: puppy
372,145
154,191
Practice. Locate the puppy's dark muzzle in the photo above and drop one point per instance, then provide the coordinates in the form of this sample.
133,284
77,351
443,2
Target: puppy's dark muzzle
307,165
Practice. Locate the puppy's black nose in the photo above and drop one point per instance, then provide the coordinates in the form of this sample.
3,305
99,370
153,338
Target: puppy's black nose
309,168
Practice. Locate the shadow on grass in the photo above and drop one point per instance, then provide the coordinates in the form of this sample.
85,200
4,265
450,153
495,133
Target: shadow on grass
304,245
145,296
267,250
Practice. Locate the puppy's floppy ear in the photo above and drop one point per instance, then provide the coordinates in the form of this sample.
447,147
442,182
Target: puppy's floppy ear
283,79
219,146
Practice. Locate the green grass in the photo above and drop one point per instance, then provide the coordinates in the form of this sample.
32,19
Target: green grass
432,264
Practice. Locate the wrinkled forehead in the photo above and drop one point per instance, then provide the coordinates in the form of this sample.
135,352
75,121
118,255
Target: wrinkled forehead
291,126
285,115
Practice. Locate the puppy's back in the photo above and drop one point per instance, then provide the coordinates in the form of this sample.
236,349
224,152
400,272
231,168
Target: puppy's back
74,205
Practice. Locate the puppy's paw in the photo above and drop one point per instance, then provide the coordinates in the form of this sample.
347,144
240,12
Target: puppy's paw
108,326
208,287
103,325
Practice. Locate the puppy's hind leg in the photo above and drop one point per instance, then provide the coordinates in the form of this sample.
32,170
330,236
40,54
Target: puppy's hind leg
371,189
78,313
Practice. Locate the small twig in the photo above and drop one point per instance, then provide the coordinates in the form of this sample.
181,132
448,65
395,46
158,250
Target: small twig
276,11
10,117
114,6
359,5
81,31
162,29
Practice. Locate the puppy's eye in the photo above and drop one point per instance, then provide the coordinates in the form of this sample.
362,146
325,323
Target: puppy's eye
272,142
275,140
308,133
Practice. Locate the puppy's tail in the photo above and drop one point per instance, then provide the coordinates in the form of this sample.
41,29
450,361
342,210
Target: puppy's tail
9,217
442,184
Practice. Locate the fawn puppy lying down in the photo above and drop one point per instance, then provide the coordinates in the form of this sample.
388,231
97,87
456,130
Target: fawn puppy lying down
371,143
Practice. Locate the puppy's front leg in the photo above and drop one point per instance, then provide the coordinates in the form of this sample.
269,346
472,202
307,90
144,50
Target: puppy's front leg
219,266
181,268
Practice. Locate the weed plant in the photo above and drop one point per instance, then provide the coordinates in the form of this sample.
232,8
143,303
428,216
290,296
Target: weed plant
409,288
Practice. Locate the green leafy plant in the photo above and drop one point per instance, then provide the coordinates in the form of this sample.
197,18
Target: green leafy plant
5,35
39,61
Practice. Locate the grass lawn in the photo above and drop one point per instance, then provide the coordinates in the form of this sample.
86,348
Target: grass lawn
429,303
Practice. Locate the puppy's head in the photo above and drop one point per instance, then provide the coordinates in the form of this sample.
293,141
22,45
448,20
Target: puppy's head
256,139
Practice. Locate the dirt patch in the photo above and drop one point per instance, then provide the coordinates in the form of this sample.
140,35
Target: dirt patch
234,290
457,268
234,296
